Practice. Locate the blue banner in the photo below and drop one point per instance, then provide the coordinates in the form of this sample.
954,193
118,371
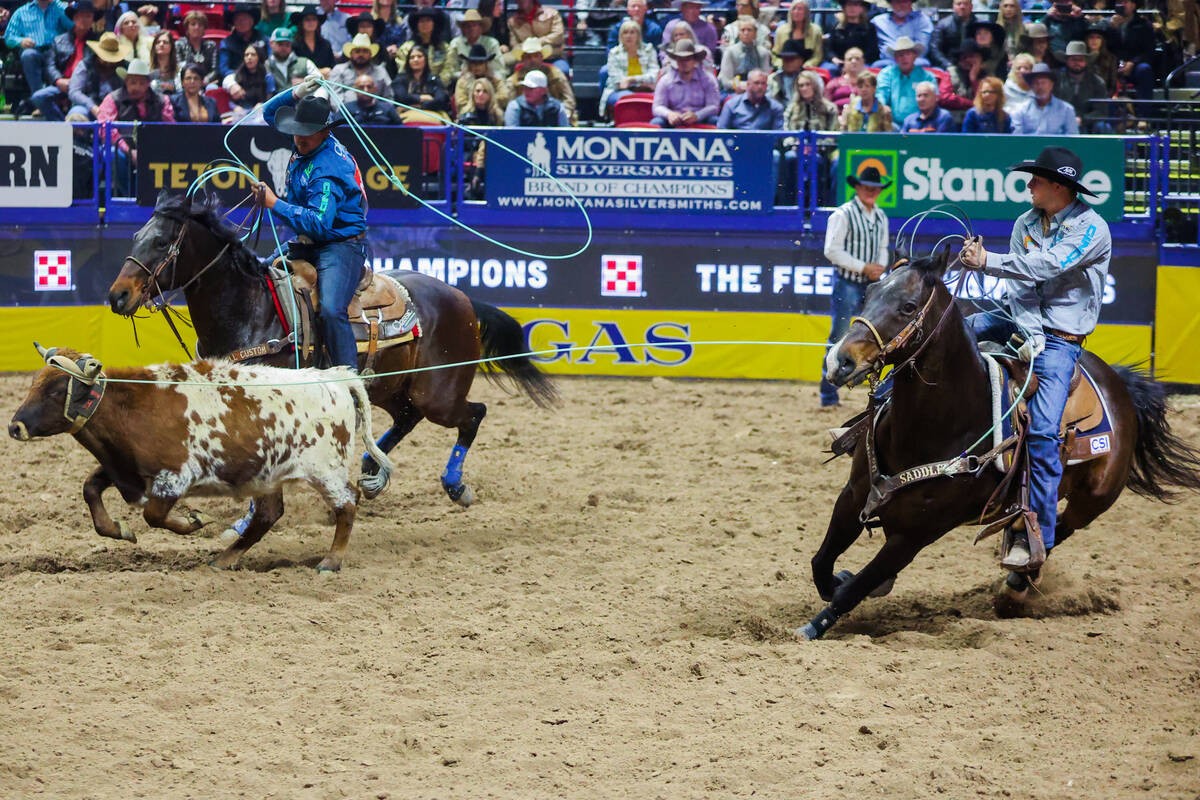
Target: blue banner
695,171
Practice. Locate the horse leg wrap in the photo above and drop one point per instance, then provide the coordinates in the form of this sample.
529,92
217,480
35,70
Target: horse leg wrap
452,475
240,526
819,624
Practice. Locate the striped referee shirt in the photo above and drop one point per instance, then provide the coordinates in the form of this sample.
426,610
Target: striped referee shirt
855,237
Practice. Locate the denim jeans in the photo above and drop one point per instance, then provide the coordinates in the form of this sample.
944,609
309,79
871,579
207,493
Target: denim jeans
46,101
847,302
1053,368
33,64
339,265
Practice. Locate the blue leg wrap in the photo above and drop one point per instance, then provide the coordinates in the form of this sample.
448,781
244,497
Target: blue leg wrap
452,475
243,523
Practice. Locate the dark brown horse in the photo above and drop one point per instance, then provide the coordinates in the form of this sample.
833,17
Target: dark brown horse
186,244
940,406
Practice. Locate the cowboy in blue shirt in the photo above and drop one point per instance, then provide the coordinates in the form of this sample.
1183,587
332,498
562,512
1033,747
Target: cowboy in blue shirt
1056,268
325,202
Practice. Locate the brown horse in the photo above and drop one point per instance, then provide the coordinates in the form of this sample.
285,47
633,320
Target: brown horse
940,405
187,245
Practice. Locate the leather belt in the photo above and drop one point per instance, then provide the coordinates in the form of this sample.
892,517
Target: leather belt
1075,338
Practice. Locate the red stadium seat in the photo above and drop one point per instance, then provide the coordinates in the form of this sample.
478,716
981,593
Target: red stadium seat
634,108
216,36
874,70
222,98
699,126
642,125
824,73
434,143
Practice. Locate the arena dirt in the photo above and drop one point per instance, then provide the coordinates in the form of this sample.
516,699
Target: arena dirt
610,619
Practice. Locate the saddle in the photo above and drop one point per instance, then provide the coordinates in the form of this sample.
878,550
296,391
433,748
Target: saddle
381,313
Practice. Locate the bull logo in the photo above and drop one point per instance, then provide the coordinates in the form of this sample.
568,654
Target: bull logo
277,164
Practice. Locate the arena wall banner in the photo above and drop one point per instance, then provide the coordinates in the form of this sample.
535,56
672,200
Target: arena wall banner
632,170
972,170
36,165
171,156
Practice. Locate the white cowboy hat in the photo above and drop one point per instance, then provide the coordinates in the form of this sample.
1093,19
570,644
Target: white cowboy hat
905,43
534,45
361,41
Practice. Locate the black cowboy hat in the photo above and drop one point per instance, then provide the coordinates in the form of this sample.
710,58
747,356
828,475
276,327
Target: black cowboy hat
241,8
795,47
82,5
1056,164
478,54
968,47
298,16
868,177
439,21
1112,37
998,32
309,116
378,25
1041,70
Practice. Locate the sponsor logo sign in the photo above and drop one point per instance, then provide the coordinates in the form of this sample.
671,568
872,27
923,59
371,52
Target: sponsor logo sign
52,270
171,156
621,276
1099,444
36,165
632,170
972,171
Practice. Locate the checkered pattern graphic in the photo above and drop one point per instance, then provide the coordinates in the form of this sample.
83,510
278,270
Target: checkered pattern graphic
621,276
52,270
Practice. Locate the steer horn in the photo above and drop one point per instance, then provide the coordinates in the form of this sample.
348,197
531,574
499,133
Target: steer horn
44,353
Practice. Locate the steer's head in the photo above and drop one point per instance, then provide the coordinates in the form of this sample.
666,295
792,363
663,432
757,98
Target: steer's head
891,306
43,412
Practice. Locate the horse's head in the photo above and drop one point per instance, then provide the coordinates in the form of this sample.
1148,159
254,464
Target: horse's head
153,263
892,322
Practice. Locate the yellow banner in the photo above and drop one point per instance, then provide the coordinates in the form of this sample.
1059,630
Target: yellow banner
1177,325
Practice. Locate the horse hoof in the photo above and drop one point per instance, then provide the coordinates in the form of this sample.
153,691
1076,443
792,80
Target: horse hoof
883,589
327,569
229,536
199,519
126,533
807,632
466,496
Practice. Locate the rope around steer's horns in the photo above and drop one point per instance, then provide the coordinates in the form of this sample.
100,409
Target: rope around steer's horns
86,373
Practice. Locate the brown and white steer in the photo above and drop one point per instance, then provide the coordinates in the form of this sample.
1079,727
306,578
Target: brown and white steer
160,441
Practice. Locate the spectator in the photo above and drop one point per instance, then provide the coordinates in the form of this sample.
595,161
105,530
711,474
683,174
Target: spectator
482,106
283,57
66,52
950,33
988,114
533,56
479,64
632,66
636,11
594,19
1079,85
233,47
360,50
1037,44
989,38
428,31
965,76
679,32
841,88
96,76
752,110
191,104
534,108
148,16
272,15
1064,23
449,27
472,37
1101,58
130,27
332,29
809,111
686,95
864,113
135,100
702,30
903,23
31,31
800,27
1012,22
531,20
193,48
1135,47
366,110
107,12
1016,90
251,84
1044,114
310,42
743,56
164,65
373,29
928,118
855,30
417,86
897,83
781,86
395,32
747,8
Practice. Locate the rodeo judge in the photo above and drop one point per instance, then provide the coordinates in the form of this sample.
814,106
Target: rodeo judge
325,202
1056,267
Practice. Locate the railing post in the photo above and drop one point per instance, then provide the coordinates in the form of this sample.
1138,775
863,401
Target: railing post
105,142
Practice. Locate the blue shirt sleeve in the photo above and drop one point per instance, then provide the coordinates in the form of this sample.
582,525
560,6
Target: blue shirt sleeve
1082,247
946,123
316,219
971,122
726,115
272,106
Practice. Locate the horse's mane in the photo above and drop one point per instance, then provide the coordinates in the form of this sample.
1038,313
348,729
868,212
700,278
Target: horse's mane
205,210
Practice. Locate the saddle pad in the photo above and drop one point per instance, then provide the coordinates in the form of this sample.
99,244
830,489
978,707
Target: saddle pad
1086,426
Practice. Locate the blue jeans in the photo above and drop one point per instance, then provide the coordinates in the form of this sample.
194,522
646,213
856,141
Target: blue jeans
33,64
46,101
1053,368
847,302
339,265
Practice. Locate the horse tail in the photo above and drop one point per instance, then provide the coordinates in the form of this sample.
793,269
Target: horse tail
1160,458
503,339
